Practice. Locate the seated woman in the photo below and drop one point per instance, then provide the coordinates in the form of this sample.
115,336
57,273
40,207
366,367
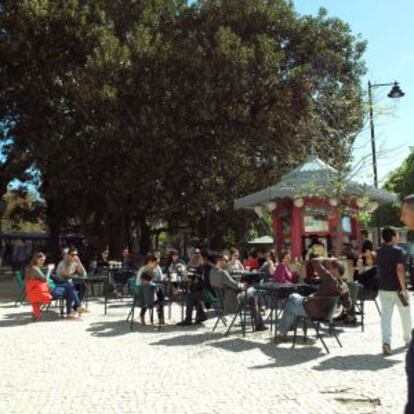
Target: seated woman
103,260
174,263
366,272
268,267
282,273
38,289
251,262
234,265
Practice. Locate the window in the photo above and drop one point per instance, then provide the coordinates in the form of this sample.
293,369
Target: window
315,220
346,224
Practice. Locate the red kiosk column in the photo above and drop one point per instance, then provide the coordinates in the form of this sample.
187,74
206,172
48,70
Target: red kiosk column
297,231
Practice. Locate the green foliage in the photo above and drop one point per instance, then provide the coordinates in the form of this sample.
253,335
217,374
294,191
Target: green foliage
125,107
401,182
22,212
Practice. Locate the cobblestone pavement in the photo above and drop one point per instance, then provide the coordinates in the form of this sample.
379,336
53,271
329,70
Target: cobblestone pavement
96,365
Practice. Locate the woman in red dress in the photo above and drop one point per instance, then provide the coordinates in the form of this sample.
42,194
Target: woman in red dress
37,287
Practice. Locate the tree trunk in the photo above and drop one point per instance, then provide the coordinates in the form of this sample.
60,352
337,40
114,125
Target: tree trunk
115,234
54,222
144,236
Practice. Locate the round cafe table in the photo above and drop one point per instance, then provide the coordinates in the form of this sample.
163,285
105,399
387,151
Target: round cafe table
90,281
277,293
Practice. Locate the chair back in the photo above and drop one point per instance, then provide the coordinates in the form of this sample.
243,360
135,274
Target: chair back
210,297
354,289
367,294
131,286
327,304
19,279
220,297
136,292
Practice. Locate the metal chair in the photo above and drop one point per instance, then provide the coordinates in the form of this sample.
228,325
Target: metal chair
366,295
243,312
140,300
217,302
22,290
330,303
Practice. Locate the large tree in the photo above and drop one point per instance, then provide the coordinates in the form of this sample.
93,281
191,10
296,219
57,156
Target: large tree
127,107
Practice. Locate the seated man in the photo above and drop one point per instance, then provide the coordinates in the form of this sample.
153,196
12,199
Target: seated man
145,278
234,292
67,268
330,272
196,294
127,271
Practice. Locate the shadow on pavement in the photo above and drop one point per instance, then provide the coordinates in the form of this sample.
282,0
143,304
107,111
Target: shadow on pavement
109,328
366,362
283,357
26,318
121,327
9,305
188,340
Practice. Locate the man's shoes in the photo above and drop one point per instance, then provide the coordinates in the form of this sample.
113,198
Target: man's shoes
161,320
81,309
386,349
341,317
184,323
72,316
200,320
261,328
350,320
282,338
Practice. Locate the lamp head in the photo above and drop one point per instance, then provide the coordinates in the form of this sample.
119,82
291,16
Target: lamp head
396,92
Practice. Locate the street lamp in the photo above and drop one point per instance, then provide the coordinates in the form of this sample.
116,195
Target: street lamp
395,93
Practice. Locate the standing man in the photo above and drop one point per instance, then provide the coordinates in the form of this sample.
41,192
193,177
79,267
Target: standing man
407,217
391,271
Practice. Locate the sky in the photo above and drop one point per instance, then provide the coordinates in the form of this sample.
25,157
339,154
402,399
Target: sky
388,27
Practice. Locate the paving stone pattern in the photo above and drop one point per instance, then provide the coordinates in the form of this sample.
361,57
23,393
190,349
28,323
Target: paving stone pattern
96,365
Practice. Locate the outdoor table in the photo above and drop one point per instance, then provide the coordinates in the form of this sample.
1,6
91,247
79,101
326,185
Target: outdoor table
248,276
181,284
89,281
110,282
278,292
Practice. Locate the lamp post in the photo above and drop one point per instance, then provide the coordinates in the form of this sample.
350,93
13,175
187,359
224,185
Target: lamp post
395,93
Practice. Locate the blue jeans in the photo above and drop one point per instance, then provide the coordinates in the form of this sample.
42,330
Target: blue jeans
294,307
71,297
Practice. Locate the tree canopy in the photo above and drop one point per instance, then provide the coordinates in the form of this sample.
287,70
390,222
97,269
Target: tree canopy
401,182
141,112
